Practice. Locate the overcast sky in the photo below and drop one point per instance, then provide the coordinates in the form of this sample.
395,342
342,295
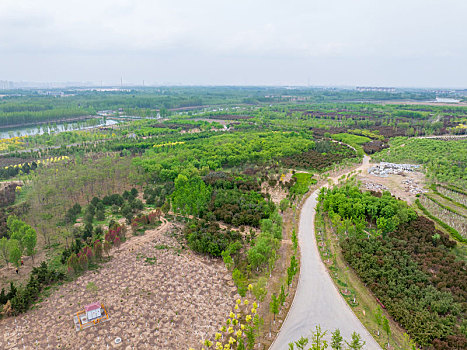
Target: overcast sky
415,43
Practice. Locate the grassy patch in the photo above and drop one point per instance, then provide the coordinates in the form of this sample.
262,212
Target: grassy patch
304,181
150,261
162,247
92,287
353,140
139,232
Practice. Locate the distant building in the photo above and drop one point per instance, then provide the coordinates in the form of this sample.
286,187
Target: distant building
6,85
446,100
373,88
51,93
106,113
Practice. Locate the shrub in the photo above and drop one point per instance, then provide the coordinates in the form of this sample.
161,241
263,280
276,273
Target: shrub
40,277
208,238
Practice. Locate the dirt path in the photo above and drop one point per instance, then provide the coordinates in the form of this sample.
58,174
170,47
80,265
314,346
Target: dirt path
148,236
317,301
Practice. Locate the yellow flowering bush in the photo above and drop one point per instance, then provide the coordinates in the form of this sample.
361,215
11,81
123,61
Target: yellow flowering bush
169,144
12,144
239,328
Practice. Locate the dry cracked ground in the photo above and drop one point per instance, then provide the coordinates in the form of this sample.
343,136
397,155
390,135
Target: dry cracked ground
172,303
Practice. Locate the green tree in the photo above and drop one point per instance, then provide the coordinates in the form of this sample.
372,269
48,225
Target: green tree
386,328
271,262
379,317
317,339
294,240
292,270
274,306
282,296
191,195
259,289
356,343
73,264
14,252
4,250
240,281
290,274
24,234
228,261
386,225
240,344
166,207
294,264
14,224
337,340
262,250
409,344
100,214
300,343
30,240
284,204
250,337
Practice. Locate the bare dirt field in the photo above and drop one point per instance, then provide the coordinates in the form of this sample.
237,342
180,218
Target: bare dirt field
401,186
157,295
276,192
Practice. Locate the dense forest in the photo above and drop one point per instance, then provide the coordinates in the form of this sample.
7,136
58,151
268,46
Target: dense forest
33,106
405,261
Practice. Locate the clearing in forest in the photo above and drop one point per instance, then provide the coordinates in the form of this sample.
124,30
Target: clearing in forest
158,296
405,185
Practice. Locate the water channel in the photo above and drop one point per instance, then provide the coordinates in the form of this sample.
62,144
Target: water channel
40,129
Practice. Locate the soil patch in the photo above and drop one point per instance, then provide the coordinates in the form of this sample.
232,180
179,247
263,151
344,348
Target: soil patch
158,296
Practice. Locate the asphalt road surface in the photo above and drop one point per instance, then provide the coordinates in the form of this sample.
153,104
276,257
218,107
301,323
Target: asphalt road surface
317,301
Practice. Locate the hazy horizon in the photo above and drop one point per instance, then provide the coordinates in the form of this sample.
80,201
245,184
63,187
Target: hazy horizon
415,44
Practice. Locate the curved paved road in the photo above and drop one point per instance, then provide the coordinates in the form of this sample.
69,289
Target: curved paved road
317,301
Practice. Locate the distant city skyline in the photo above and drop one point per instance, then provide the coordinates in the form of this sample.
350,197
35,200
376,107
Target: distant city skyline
12,85
415,43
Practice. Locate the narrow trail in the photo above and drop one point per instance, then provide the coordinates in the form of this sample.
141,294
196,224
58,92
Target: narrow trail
149,235
317,301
